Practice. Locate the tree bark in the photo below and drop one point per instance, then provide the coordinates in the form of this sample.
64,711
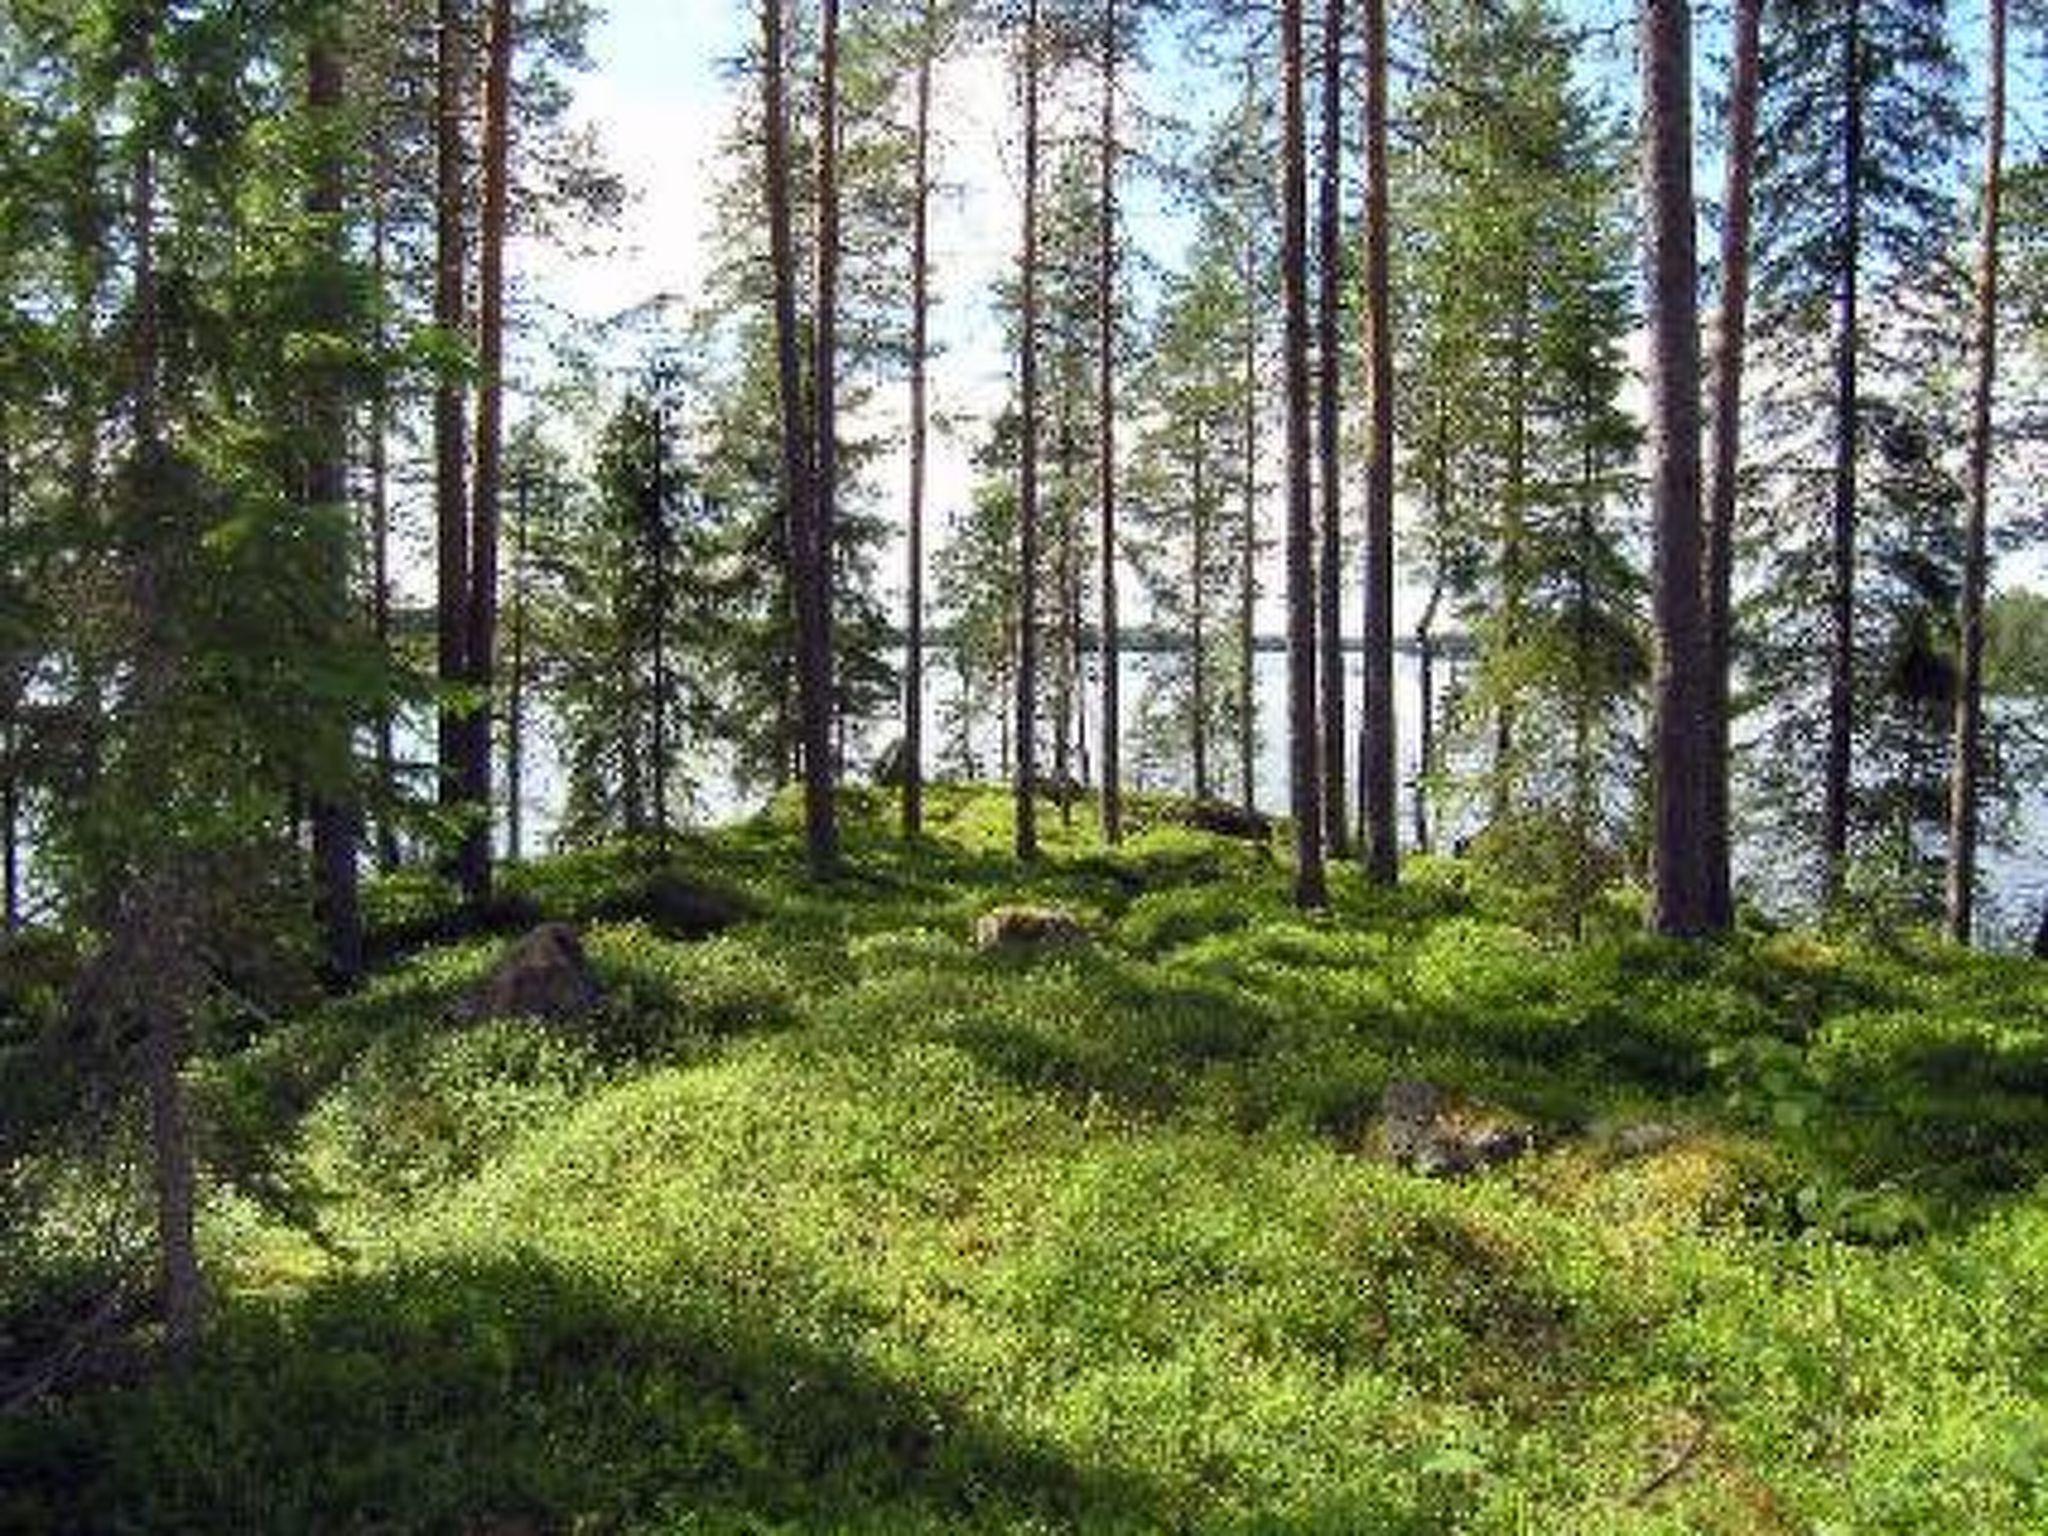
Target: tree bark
1717,837
799,493
1379,766
451,453
148,954
336,816
1112,681
1027,500
1513,557
920,353
10,744
1842,516
656,535
1329,433
814,612
1306,790
1425,765
480,641
1198,602
380,512
1248,546
1681,728
1966,762
515,671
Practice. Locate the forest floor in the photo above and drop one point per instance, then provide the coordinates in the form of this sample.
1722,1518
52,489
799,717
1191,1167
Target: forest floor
832,1221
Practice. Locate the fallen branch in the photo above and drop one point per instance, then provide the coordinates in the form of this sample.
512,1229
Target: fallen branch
1672,1469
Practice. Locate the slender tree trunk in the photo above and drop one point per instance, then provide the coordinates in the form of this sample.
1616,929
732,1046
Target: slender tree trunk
10,744
1683,737
480,643
150,956
336,817
814,611
1425,652
1379,765
1248,545
920,353
10,835
1112,681
1842,525
1966,762
1198,601
515,673
1717,837
798,492
657,637
1027,505
451,453
1329,431
1585,771
1309,885
380,512
1067,580
1513,557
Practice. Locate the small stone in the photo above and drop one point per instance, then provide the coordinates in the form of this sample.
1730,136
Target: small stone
1423,1131
1409,1109
1644,1139
544,975
1223,819
1022,927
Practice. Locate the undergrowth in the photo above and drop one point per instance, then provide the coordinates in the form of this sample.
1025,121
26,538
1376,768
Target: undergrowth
828,1220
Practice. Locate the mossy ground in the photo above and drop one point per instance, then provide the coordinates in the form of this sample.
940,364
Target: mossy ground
831,1223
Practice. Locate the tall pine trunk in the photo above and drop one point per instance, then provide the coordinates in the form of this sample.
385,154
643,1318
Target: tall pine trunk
150,950
380,508
480,642
1106,274
1842,511
1306,790
336,816
663,686
1248,533
451,453
1329,434
1027,494
10,744
515,671
1198,601
1513,556
1967,759
798,490
920,355
1378,765
1717,837
1683,740
814,589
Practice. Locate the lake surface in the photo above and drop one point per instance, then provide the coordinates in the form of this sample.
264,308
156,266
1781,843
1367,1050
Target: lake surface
2016,876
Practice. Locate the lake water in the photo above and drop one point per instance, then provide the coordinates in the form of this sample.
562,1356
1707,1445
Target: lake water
2016,877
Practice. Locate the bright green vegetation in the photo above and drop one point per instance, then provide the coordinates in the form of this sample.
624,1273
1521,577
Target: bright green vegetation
830,1222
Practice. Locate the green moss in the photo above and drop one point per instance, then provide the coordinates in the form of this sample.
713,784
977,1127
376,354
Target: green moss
828,1222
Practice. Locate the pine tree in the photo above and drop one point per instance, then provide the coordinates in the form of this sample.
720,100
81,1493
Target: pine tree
1965,768
1306,793
1739,154
1683,753
1380,839
1857,128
